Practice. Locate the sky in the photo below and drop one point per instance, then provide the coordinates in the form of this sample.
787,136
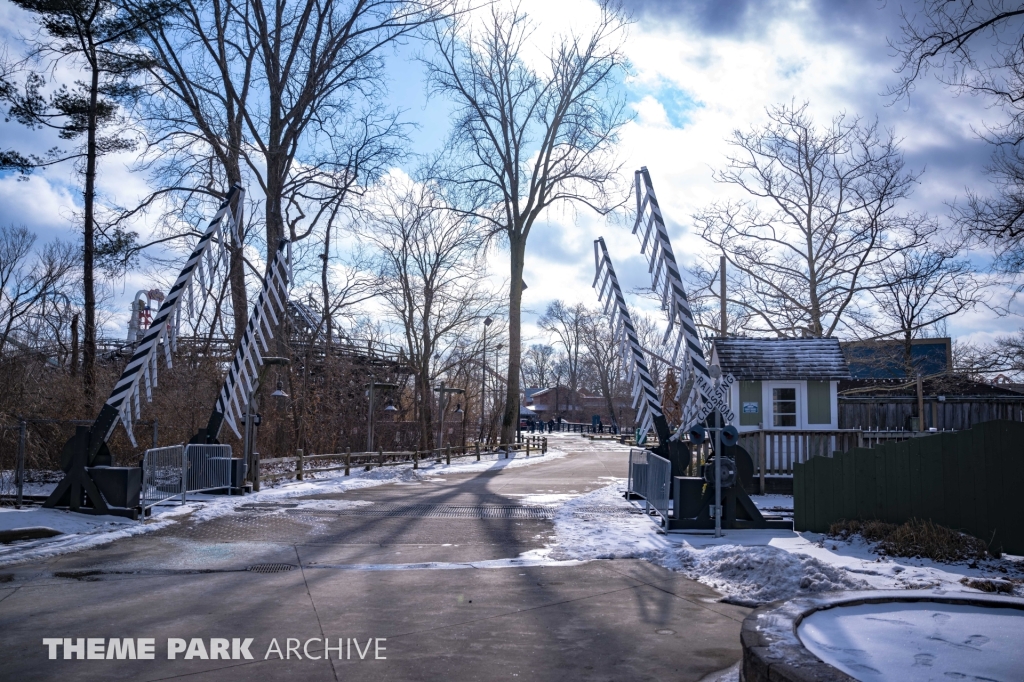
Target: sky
700,69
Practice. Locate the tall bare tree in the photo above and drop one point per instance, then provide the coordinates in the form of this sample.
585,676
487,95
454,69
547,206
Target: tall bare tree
430,278
976,48
285,94
528,136
819,217
536,366
566,324
31,284
604,359
921,288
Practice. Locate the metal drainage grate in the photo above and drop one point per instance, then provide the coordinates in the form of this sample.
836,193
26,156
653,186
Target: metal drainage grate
271,568
436,511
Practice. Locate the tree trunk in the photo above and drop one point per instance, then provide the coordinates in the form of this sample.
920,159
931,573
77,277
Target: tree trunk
236,264
74,345
511,418
88,246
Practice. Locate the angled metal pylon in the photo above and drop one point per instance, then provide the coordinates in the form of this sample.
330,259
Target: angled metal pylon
243,374
142,367
649,227
88,447
645,395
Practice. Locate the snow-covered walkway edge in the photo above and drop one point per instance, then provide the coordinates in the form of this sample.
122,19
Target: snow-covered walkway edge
83,531
750,567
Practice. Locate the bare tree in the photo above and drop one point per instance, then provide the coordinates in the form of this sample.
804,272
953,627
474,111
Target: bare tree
604,359
536,366
566,325
976,48
821,215
283,93
31,285
920,288
525,138
430,278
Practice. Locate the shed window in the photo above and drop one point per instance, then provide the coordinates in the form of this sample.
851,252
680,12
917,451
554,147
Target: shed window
784,406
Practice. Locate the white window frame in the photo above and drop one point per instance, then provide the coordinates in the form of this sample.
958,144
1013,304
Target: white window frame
800,405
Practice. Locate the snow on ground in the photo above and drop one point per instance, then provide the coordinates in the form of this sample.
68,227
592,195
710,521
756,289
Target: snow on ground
749,567
82,531
894,642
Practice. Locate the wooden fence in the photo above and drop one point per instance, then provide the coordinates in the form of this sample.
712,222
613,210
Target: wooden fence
345,461
954,413
968,480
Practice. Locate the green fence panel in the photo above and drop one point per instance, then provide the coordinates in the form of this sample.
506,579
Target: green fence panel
865,483
849,492
970,462
950,516
803,506
916,498
970,481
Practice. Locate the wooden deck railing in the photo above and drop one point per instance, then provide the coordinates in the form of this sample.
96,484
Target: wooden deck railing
782,449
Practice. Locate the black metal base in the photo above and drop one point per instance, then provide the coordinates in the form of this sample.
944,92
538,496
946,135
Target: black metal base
738,510
96,490
735,524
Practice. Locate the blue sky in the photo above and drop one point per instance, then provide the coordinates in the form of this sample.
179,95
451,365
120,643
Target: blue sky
700,69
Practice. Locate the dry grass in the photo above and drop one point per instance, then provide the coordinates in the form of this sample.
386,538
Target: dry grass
916,538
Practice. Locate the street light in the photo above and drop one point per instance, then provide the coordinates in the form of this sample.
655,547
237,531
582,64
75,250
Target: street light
252,420
443,393
279,393
390,408
483,378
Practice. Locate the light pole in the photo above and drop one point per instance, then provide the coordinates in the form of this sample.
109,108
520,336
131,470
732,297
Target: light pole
442,398
483,378
716,374
390,408
252,419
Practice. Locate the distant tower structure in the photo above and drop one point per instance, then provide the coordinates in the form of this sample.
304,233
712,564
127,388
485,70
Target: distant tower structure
142,312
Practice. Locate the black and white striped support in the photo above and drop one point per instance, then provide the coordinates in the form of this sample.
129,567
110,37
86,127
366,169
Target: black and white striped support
695,388
645,395
142,367
243,374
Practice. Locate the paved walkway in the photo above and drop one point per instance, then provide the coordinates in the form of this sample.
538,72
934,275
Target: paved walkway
602,620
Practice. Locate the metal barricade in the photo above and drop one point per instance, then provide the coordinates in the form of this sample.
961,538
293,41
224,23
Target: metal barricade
207,467
650,477
162,474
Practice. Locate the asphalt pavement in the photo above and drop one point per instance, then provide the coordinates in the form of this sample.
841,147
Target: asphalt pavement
378,585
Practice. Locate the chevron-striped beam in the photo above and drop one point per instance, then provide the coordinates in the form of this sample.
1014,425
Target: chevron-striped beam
645,395
243,374
142,367
665,278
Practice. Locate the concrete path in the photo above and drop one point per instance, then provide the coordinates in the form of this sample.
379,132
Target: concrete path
602,620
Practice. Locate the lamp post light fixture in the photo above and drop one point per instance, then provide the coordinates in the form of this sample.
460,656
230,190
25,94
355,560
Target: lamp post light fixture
370,391
252,419
443,393
483,377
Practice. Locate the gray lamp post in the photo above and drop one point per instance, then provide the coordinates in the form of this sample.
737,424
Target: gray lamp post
370,391
251,418
483,378
442,397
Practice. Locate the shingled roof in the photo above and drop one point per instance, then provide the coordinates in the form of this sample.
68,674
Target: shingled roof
782,359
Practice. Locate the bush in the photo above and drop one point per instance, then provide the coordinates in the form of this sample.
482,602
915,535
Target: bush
915,538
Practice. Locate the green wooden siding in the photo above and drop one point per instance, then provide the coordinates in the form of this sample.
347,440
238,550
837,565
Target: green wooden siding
819,402
968,481
750,392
